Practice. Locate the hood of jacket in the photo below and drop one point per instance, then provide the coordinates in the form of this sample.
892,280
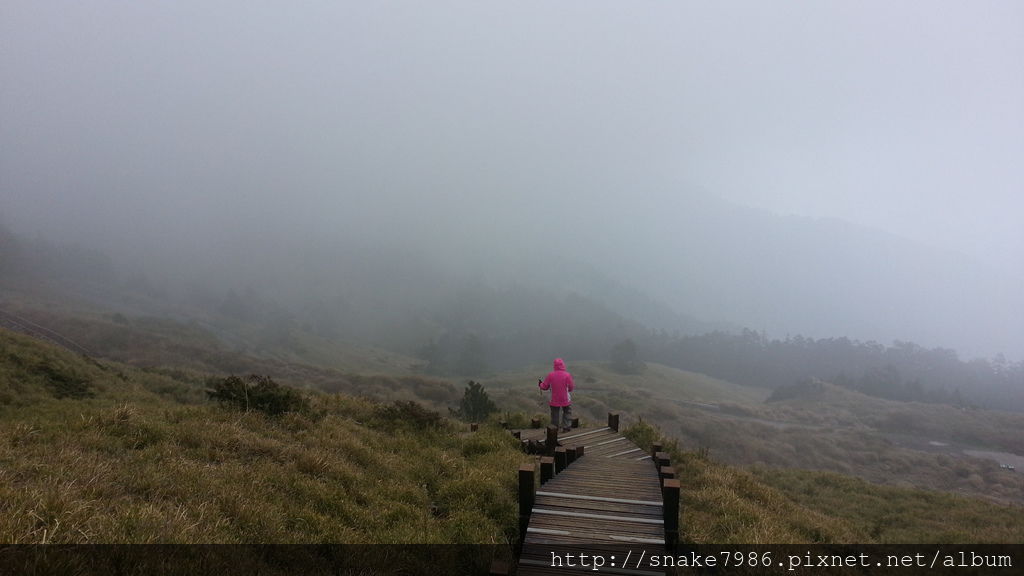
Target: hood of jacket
559,364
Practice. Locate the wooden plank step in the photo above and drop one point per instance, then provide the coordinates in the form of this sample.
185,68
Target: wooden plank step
604,529
611,511
635,487
609,490
589,536
596,516
581,497
606,506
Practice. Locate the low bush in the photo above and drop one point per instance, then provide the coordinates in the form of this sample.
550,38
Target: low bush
257,393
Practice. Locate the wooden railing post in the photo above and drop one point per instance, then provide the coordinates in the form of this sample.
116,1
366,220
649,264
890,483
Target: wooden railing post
551,441
579,451
670,499
666,472
655,448
661,459
547,468
570,455
561,459
535,423
575,422
474,427
613,421
527,496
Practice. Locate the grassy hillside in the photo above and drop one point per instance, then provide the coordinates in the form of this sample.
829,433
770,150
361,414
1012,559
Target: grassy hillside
902,444
202,342
106,452
188,351
889,514
125,460
724,504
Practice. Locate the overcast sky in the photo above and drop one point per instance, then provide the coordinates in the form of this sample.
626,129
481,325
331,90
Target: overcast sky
168,122
904,115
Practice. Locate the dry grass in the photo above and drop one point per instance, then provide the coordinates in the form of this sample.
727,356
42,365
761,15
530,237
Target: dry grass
724,504
900,515
134,464
145,458
146,474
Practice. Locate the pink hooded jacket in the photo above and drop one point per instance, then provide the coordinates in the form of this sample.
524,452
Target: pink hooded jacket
559,381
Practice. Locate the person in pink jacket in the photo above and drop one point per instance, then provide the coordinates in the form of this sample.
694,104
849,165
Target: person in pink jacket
559,381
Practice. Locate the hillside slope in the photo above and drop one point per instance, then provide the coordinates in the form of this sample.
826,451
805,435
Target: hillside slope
122,459
102,452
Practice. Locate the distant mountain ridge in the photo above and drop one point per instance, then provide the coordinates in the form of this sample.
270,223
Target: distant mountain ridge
693,265
820,278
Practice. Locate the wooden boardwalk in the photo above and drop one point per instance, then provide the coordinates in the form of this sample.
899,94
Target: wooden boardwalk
605,497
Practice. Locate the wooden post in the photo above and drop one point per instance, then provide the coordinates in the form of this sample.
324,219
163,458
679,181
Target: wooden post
551,441
670,498
661,459
655,448
561,459
474,427
579,451
666,472
547,468
570,455
535,423
575,422
527,496
613,421
517,434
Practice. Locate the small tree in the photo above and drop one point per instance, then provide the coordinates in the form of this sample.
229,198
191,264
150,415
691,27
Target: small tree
476,405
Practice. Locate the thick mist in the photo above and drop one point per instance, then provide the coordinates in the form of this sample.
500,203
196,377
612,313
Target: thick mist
829,170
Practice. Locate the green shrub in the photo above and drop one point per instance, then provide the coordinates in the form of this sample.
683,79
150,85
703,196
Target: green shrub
257,393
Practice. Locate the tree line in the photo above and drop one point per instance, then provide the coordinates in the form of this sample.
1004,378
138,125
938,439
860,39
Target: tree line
902,371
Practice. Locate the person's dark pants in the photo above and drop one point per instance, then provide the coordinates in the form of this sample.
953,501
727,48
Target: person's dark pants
566,419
